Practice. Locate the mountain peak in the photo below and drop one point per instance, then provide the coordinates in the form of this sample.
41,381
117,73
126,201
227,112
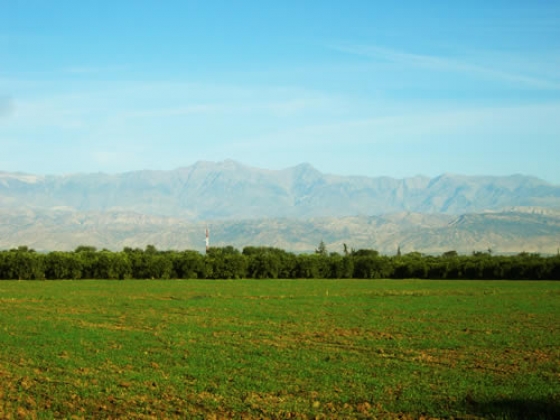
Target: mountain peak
305,166
228,189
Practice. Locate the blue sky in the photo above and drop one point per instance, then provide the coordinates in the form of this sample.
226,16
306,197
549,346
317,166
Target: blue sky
352,87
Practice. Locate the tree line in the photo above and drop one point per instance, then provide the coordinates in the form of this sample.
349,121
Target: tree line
86,262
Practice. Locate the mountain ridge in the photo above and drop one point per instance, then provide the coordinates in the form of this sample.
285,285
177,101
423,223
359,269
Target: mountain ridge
505,232
231,190
293,208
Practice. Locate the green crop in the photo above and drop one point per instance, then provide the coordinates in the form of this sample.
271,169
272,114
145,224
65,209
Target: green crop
280,349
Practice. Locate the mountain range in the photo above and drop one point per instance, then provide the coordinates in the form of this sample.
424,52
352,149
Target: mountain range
294,209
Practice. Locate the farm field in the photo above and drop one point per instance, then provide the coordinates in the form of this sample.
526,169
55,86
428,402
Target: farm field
280,349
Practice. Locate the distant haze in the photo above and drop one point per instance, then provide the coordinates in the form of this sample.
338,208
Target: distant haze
294,208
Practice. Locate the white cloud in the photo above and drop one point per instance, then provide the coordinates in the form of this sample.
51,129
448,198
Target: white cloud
445,64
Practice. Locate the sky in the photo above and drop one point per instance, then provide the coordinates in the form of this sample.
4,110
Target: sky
352,87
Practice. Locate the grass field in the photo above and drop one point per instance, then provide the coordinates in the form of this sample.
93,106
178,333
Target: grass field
280,349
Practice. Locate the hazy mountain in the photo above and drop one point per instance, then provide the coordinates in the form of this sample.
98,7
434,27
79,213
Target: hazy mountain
293,209
512,231
230,190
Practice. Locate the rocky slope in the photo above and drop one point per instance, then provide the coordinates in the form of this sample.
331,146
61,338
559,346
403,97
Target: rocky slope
511,231
230,190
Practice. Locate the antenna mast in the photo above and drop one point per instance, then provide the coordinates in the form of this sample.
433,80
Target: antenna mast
207,239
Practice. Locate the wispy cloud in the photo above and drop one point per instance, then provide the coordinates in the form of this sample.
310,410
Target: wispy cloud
446,64
52,104
85,70
547,22
419,128
171,112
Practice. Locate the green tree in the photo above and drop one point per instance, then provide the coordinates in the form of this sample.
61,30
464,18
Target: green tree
189,265
63,266
342,267
148,265
371,265
112,265
322,249
450,254
151,249
307,266
85,248
225,263
24,265
262,263
411,265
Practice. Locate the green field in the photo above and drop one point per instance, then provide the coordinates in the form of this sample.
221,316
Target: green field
280,349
